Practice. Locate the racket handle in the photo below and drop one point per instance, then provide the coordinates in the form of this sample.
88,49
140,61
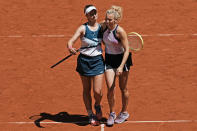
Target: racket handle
61,61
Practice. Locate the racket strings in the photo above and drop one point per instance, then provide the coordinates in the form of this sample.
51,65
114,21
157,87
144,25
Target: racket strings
135,42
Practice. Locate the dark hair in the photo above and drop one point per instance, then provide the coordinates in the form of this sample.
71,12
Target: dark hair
86,7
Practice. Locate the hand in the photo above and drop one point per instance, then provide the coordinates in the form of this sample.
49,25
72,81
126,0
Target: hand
119,71
72,50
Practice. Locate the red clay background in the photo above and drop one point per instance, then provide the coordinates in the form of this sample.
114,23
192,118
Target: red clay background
162,82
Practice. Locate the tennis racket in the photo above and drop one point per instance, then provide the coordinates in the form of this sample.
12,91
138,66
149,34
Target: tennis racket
136,42
63,59
71,55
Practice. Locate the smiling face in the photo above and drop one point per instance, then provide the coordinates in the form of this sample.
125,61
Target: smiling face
110,20
92,15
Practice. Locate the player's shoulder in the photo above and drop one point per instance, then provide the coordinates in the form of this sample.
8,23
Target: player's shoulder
120,29
81,27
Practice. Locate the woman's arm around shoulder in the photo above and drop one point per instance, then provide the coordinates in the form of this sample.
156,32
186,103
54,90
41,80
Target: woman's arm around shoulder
103,25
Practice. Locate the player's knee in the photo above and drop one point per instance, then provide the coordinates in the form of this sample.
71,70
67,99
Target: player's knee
125,91
98,94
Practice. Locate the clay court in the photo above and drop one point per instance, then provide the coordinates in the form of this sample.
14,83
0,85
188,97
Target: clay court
162,83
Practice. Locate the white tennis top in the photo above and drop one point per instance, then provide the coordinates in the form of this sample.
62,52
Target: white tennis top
112,44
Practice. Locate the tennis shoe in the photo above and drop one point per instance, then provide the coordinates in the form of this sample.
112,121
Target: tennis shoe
98,112
93,121
122,117
111,119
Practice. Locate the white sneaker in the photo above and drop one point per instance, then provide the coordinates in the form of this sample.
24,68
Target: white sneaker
111,119
122,117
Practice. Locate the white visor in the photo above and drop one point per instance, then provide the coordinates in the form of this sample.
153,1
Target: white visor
89,9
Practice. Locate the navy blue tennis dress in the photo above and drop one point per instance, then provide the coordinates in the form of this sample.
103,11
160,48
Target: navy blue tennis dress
90,61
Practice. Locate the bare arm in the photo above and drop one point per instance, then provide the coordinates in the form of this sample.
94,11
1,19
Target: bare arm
79,32
123,37
103,27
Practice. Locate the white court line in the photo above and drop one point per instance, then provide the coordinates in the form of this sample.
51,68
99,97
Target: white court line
102,127
63,36
169,121
52,36
167,35
12,36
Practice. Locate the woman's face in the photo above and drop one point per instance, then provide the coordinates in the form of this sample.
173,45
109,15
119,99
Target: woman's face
110,21
92,15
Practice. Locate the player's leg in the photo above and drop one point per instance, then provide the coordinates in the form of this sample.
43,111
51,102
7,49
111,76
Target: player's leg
86,81
123,115
110,81
97,88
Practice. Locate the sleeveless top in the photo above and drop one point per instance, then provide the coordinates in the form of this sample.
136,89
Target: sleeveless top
91,39
112,43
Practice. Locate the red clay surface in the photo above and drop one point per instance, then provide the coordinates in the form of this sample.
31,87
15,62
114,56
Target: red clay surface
162,82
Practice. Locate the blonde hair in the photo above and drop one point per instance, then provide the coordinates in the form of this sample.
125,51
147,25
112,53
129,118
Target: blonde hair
117,11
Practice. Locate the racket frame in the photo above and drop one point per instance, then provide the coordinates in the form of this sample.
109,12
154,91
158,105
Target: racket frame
138,35
71,55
